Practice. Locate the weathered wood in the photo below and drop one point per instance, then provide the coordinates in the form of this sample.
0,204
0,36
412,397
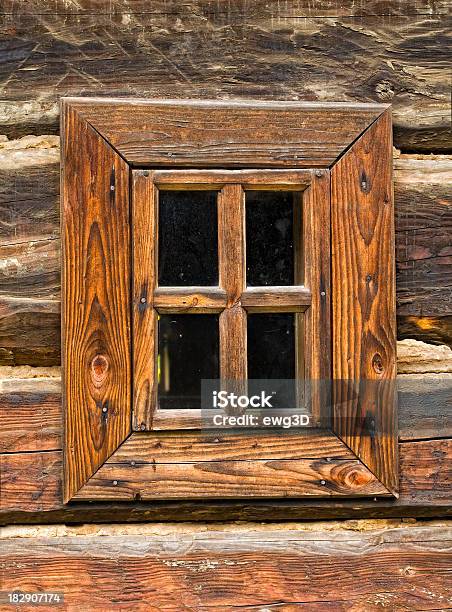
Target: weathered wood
417,357
30,269
144,280
31,484
426,284
420,464
215,446
422,413
287,180
425,403
31,481
189,299
276,299
176,567
268,8
314,342
270,55
29,331
96,305
237,479
363,297
29,421
436,330
233,347
198,133
29,189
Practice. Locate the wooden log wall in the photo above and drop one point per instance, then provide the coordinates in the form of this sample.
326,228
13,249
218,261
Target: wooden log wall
341,50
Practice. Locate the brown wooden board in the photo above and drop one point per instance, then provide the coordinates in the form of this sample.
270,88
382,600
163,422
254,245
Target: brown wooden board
96,302
268,8
252,51
363,295
31,493
255,567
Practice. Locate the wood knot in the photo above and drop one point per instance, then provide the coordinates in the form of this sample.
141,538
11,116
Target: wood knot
354,476
377,363
99,369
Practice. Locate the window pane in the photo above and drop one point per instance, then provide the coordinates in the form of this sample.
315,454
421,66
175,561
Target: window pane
188,352
188,238
273,238
271,353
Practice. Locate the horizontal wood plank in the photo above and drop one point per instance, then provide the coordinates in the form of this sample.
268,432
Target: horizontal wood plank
30,421
32,493
237,479
270,53
217,446
177,567
267,8
31,481
199,133
287,180
30,331
276,299
189,299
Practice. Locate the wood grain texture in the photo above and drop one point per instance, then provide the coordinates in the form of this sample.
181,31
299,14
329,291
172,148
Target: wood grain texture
251,179
238,479
96,300
226,568
31,492
29,189
29,331
437,330
363,289
425,402
276,299
31,481
267,8
270,54
317,319
177,447
215,133
29,421
144,280
30,269
189,299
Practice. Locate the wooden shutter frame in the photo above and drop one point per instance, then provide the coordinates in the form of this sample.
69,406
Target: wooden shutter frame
102,140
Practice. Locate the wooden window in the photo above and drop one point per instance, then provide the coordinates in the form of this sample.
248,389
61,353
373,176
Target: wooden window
193,229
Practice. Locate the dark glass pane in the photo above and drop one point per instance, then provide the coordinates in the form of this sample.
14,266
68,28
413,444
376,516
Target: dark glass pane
271,353
270,237
271,345
188,352
188,238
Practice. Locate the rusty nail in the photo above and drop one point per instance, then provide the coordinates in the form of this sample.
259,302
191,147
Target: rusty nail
319,173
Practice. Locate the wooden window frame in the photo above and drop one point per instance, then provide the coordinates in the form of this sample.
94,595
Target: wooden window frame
115,152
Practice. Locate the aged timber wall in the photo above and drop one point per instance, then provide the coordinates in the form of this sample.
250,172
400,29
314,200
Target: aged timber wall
342,50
